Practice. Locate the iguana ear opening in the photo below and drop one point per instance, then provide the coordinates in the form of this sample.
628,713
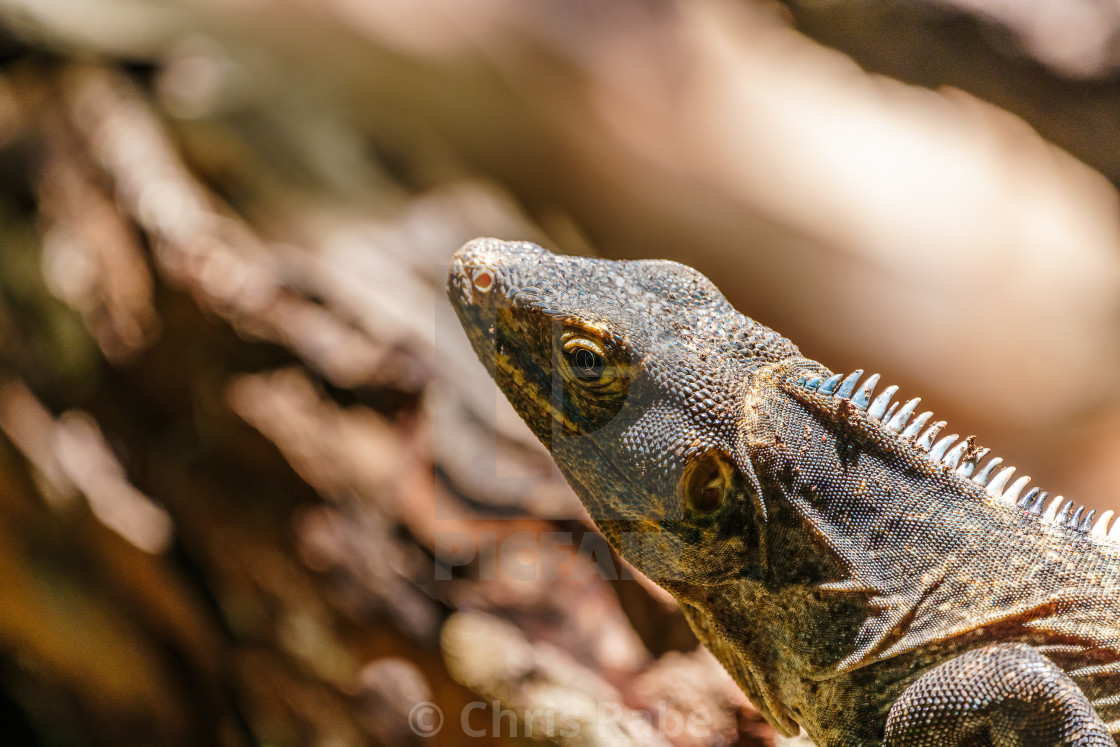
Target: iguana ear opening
706,482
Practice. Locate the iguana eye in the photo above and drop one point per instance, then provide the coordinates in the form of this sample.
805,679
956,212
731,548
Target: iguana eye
595,367
586,359
587,363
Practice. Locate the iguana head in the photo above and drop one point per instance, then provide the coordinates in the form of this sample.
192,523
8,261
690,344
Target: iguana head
631,373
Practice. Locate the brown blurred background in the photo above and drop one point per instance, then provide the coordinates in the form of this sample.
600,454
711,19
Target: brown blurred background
254,487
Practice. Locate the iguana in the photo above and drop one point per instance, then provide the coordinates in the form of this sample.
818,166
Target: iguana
857,575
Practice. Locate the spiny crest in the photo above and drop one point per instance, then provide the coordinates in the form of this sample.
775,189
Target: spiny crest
961,457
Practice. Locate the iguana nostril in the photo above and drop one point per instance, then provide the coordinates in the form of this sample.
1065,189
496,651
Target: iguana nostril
483,280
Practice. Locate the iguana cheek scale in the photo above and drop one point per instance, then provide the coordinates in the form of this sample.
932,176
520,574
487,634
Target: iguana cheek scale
858,574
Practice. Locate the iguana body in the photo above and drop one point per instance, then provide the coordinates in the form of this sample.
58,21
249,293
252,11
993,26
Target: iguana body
856,577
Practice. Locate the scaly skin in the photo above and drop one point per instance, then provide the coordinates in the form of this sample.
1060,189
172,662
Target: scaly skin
855,580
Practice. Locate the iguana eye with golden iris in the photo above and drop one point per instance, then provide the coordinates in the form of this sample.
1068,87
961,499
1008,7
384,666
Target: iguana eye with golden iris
591,364
588,364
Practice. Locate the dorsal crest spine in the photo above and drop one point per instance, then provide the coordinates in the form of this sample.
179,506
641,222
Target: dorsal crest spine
961,457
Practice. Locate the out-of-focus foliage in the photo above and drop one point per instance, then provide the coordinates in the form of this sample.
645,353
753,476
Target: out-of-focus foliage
254,487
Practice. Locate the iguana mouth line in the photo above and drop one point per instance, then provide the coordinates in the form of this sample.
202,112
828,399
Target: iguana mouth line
962,458
491,353
532,392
